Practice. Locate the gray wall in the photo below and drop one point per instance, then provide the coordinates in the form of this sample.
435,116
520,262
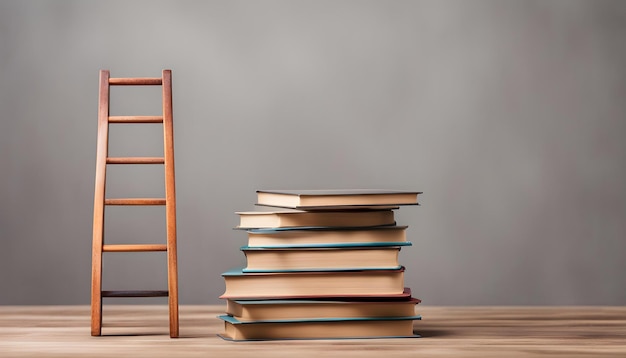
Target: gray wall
509,115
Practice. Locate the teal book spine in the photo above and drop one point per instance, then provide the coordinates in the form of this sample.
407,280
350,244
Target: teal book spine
233,320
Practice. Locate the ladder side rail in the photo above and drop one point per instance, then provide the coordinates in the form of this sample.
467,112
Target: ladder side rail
170,201
98,206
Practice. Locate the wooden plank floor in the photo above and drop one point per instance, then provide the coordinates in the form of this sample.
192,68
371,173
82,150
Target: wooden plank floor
142,331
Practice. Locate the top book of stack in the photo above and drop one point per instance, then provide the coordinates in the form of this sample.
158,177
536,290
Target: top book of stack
336,199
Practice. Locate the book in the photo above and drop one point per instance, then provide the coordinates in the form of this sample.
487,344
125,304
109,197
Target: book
321,258
388,327
313,284
311,237
278,219
349,198
267,310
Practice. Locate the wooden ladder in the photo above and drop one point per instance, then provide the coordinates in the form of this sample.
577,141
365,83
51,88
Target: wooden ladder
102,159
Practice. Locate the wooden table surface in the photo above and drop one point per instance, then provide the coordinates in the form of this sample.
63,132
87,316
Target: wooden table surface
142,331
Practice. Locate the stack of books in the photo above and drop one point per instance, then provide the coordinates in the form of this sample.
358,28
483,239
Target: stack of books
321,264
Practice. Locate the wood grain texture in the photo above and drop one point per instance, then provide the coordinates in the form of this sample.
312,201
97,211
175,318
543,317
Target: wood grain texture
133,247
135,81
142,331
102,151
135,160
170,199
135,201
135,119
102,159
135,293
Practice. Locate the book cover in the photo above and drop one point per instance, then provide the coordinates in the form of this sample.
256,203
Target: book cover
405,295
267,310
338,245
282,219
303,236
323,328
336,258
313,284
336,198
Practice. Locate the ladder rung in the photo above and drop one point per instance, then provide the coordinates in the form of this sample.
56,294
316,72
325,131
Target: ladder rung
135,119
135,293
134,248
135,201
135,160
136,81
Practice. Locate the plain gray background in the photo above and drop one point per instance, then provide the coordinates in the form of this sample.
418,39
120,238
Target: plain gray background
509,115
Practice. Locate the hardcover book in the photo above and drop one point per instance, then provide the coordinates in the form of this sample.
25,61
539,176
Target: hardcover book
337,198
321,258
267,310
391,235
323,328
313,284
278,219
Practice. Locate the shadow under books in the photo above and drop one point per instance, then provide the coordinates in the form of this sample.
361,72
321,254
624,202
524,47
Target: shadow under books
432,333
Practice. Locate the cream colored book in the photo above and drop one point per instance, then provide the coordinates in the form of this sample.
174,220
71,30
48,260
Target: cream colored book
319,199
321,258
319,329
280,219
267,310
302,284
391,235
